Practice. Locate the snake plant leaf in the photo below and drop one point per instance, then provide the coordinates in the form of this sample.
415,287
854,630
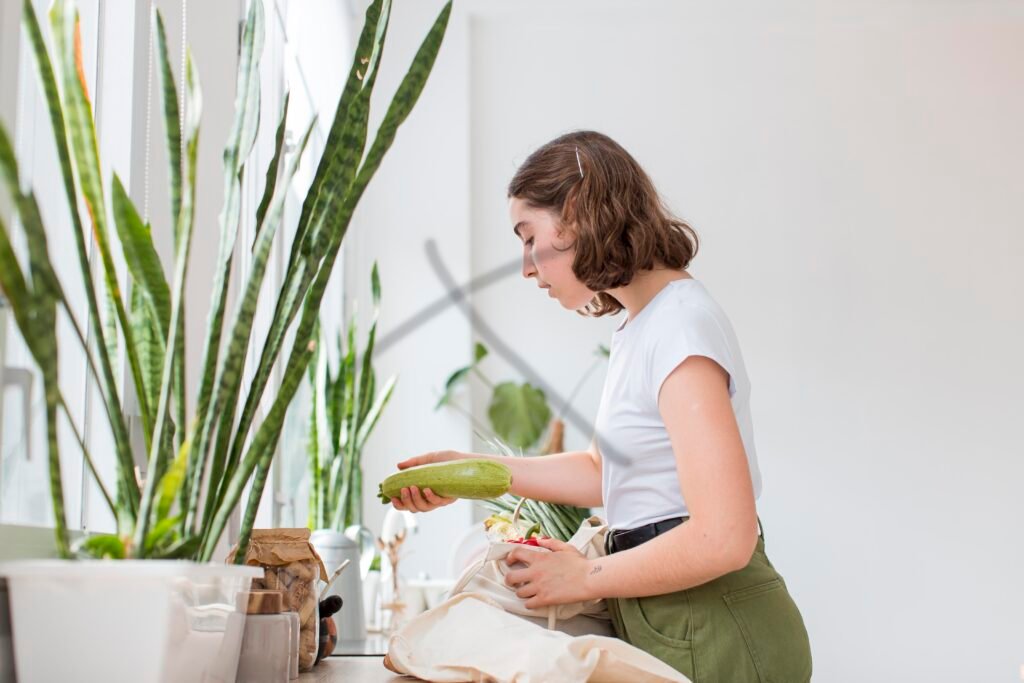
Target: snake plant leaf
157,459
401,104
363,396
81,131
149,327
344,148
272,170
371,388
38,324
256,461
335,403
519,413
170,484
341,182
184,548
128,492
367,51
172,119
101,547
150,339
319,441
351,368
12,279
373,414
140,254
44,279
231,366
163,534
236,151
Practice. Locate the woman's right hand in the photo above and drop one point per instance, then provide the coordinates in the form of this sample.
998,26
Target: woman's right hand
426,500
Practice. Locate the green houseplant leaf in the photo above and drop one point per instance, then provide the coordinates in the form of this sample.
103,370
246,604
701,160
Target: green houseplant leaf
519,413
460,375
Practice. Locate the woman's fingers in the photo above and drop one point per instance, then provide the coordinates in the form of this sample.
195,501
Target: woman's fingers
407,500
526,591
516,577
436,500
414,500
418,500
522,581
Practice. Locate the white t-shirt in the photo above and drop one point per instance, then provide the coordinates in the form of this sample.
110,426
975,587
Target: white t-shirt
639,480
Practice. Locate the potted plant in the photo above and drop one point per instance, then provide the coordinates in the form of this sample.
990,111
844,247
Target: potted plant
518,415
177,608
346,406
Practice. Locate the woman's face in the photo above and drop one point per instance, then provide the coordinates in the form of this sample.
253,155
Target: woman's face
546,255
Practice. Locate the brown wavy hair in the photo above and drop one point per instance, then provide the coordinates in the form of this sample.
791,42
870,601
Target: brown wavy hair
620,224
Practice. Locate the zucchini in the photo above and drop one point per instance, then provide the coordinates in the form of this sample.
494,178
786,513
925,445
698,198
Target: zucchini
469,478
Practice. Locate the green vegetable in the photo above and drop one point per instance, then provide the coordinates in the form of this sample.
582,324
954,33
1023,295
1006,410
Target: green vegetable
470,478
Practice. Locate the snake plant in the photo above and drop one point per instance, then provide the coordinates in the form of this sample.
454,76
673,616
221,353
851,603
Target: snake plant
346,407
198,465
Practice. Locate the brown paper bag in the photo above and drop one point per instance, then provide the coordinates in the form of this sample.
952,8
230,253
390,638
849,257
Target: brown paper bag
291,565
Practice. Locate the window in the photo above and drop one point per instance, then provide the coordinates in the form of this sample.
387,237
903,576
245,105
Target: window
300,34
24,482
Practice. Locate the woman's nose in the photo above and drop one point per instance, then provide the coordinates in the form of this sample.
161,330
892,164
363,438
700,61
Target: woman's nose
529,267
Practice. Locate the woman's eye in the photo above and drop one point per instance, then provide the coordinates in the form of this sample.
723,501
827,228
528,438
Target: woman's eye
529,241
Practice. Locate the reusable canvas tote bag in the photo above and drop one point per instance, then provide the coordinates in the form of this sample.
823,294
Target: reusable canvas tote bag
470,637
487,577
484,632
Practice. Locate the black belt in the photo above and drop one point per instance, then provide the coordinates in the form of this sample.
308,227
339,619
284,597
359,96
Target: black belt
624,539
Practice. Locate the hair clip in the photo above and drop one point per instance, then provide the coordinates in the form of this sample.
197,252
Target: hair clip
578,161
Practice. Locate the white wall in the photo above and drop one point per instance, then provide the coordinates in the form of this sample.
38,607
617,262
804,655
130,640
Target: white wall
853,170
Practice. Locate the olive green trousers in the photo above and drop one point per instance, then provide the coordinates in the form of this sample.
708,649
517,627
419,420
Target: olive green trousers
739,628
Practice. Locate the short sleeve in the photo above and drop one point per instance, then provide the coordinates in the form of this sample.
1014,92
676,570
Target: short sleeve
681,332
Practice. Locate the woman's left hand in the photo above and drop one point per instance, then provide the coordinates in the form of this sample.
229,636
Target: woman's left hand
554,578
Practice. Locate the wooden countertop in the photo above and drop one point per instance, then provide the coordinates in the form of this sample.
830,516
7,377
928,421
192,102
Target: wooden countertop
356,660
353,668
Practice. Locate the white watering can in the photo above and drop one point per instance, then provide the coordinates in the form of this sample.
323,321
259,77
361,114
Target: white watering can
357,546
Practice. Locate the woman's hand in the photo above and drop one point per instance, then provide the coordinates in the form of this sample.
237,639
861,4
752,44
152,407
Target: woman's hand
554,578
415,500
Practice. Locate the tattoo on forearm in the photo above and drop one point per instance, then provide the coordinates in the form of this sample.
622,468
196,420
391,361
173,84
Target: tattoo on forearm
595,570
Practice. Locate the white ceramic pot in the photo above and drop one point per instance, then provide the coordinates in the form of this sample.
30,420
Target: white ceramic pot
163,621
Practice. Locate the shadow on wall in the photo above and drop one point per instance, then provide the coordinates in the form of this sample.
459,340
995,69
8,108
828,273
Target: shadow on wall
456,295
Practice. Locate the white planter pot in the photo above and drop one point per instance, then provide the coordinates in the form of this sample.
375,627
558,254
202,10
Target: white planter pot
129,620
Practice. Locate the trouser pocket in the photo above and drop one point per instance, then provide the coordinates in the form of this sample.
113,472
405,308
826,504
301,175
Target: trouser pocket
773,631
661,626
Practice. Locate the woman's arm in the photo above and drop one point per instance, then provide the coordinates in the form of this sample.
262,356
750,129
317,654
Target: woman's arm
714,476
572,478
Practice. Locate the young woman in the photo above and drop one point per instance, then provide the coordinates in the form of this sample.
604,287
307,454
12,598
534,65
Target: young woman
673,459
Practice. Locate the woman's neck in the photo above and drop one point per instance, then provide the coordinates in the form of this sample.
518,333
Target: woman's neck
645,286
